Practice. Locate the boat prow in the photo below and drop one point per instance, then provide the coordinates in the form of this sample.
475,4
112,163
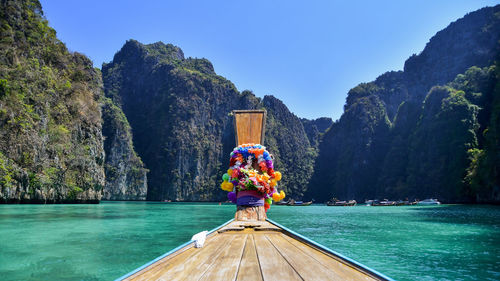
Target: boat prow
253,250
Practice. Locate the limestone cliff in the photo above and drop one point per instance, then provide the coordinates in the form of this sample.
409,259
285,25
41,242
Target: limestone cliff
51,145
179,111
316,128
125,173
404,136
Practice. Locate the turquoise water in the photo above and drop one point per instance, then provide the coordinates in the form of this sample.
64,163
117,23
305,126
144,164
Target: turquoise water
105,241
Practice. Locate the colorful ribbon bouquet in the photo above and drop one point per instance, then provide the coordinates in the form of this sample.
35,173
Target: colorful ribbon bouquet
249,184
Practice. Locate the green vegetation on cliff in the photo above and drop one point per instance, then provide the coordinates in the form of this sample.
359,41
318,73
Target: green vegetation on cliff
427,131
50,137
125,172
287,140
482,180
431,130
179,110
316,128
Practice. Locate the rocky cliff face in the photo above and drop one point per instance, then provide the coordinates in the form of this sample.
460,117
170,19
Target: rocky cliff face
316,128
179,110
51,146
348,153
400,137
469,41
431,130
287,140
125,173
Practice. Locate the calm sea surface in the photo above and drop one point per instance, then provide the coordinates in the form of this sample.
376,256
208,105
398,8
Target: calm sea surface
105,241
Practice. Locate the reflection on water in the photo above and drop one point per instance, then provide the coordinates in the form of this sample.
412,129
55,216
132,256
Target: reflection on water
105,241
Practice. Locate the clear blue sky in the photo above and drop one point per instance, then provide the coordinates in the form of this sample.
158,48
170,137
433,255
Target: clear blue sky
306,53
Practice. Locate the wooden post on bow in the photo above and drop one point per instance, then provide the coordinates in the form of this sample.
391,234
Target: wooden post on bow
249,127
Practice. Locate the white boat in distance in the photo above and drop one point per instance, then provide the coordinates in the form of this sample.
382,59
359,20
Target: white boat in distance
429,202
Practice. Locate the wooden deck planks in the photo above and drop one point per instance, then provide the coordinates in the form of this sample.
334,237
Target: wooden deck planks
260,251
195,265
272,263
249,269
225,267
155,270
307,267
162,265
347,272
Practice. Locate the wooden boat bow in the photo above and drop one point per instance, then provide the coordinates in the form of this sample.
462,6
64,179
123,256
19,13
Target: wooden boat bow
253,250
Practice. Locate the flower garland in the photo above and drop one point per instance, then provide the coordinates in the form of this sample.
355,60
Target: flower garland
243,179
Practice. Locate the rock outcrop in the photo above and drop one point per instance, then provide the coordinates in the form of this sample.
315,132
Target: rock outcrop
431,130
126,177
179,111
405,135
51,144
316,128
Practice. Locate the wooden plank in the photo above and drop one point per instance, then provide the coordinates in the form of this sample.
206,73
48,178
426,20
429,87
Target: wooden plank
227,264
249,267
307,267
241,225
256,127
340,268
252,254
272,263
150,272
249,126
242,127
169,262
256,225
195,265
161,265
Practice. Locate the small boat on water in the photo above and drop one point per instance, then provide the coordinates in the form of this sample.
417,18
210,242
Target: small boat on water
281,203
384,202
298,203
405,203
429,202
341,203
252,250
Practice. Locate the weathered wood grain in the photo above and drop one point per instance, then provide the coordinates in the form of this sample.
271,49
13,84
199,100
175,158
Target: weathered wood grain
155,270
304,264
225,267
272,263
252,250
249,269
249,126
342,269
194,266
